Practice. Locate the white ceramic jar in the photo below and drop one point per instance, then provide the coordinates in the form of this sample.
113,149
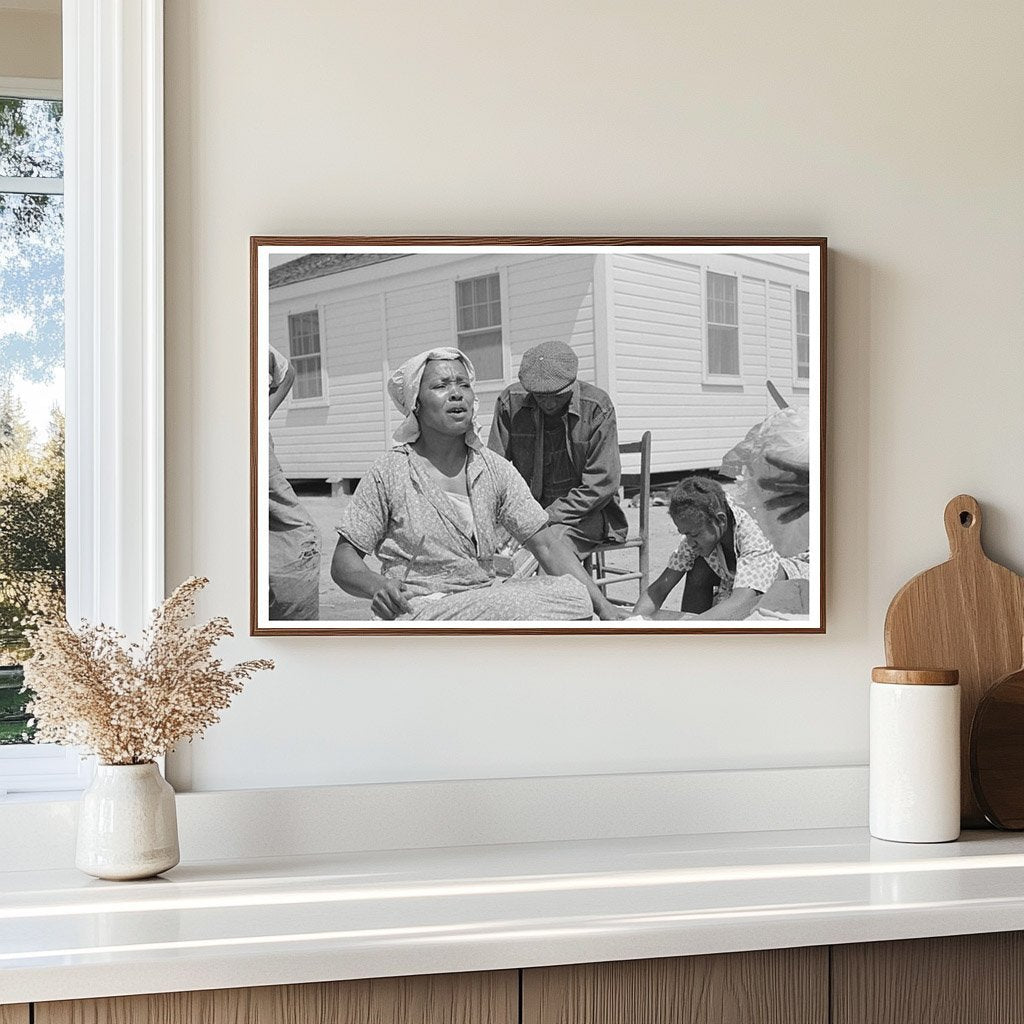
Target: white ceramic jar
915,755
127,823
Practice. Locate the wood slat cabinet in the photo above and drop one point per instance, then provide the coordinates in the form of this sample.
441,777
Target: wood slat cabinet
967,979
480,998
961,979
775,986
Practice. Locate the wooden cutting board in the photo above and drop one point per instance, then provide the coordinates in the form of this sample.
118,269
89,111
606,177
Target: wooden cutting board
967,614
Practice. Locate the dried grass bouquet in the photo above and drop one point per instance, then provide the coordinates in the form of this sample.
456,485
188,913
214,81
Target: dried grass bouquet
130,703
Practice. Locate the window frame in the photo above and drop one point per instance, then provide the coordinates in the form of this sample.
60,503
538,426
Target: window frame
489,384
324,398
112,89
707,376
798,381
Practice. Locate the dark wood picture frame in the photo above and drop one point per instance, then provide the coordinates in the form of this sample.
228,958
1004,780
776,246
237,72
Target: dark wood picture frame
817,249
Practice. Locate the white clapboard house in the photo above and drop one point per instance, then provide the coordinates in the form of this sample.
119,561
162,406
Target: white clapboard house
683,344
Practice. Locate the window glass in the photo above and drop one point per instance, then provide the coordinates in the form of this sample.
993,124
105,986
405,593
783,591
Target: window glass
723,325
803,335
304,343
478,306
31,138
31,386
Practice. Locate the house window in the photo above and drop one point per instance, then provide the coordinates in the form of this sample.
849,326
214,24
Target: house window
723,326
803,335
32,532
304,344
478,305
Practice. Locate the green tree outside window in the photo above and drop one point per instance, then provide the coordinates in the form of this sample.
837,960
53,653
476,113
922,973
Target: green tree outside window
32,544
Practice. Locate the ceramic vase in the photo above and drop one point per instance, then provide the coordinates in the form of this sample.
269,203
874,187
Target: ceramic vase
127,825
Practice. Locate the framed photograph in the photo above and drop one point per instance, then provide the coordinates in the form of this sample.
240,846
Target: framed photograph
537,435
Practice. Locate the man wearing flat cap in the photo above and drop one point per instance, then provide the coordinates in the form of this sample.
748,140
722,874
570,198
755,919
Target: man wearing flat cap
560,433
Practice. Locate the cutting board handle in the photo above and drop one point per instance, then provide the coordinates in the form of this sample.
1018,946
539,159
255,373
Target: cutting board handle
963,526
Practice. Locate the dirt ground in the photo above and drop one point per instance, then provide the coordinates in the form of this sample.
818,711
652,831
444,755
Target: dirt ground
337,605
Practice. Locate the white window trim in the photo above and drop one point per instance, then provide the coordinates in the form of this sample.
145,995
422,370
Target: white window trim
32,88
491,384
31,186
733,380
113,166
801,383
42,768
324,398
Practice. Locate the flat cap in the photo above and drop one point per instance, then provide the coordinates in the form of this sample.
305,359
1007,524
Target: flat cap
548,368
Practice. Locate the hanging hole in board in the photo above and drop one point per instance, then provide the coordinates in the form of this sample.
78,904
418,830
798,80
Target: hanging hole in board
966,519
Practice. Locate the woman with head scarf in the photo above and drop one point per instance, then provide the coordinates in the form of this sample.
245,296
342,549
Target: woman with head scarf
434,507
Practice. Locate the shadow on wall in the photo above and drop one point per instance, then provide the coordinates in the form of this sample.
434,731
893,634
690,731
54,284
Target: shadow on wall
849,428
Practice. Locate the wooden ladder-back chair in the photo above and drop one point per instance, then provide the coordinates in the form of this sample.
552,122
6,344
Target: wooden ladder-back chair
605,575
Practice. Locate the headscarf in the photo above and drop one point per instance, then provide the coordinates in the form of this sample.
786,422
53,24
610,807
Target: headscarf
404,389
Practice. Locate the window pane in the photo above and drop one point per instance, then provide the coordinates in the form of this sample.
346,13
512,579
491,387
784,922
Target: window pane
308,382
484,351
722,303
304,334
723,350
13,720
31,138
478,303
31,427
803,312
803,356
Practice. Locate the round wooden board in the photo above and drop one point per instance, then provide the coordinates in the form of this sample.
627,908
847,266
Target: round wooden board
997,752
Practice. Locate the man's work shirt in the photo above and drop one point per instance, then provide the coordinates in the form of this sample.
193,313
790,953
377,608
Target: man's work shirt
570,461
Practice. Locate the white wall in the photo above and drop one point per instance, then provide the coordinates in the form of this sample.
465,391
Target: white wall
895,129
30,42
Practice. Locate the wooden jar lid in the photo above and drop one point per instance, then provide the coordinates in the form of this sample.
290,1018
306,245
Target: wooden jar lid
916,676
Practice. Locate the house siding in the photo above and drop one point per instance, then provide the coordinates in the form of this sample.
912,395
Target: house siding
655,319
552,299
658,324
337,440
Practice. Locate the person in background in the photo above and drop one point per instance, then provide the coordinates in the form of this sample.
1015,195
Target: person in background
727,560
560,433
294,539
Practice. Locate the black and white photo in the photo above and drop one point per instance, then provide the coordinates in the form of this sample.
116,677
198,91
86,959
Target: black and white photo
557,435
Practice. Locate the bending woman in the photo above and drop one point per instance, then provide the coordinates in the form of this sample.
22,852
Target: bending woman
430,510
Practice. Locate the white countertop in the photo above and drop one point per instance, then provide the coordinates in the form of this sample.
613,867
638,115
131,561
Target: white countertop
225,924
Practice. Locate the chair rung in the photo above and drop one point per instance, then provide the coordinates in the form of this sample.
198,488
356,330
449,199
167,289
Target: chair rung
605,581
614,570
630,542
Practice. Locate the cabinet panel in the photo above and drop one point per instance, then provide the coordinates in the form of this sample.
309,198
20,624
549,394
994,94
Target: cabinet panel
481,998
777,986
14,1014
961,979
